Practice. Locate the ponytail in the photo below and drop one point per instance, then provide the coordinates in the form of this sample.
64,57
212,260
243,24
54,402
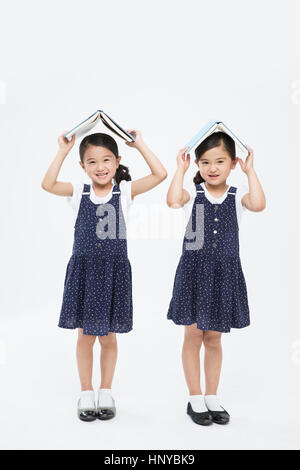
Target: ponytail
122,173
198,178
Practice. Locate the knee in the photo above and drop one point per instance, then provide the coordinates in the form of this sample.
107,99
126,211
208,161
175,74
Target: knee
193,336
86,340
212,340
108,341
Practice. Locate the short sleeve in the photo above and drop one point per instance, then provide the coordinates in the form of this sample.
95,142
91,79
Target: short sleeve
74,200
189,186
241,191
125,188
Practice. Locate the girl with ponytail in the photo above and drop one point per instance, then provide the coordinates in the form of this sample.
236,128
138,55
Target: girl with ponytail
209,291
97,297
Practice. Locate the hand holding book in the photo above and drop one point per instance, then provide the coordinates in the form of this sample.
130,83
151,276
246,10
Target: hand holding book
64,144
138,140
247,165
183,160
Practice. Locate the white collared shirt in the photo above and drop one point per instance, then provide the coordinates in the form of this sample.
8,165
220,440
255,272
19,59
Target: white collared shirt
240,192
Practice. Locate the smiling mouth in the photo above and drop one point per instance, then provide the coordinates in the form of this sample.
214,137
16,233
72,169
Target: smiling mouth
101,175
213,176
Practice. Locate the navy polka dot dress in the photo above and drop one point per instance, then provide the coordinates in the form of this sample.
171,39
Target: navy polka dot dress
98,282
209,287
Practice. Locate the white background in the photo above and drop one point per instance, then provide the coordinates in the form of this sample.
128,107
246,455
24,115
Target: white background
164,68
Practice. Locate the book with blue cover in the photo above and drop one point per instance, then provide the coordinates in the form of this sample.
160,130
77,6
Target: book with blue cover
85,126
211,127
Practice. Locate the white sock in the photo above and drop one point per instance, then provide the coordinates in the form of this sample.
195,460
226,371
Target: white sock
198,403
87,399
105,397
212,402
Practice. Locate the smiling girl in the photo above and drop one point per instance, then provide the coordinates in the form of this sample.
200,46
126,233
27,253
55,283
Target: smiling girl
209,291
97,297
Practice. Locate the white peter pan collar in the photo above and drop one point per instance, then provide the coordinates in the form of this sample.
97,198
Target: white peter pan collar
96,199
212,199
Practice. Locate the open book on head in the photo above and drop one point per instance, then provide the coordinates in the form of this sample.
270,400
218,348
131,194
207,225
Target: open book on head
210,128
85,126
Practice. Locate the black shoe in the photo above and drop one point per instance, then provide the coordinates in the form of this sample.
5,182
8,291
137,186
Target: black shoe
220,417
204,418
106,412
86,414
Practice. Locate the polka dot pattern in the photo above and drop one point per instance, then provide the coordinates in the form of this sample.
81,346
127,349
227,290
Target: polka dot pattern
98,282
209,286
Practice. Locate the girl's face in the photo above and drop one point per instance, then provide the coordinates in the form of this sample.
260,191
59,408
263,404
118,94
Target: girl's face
215,165
100,164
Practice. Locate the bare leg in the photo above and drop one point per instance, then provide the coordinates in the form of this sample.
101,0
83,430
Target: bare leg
108,358
212,360
191,358
84,354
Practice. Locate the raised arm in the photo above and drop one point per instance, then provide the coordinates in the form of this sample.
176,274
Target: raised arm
49,182
177,196
158,171
255,200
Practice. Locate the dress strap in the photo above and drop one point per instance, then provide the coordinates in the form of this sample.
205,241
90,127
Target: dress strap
199,188
86,189
116,189
232,191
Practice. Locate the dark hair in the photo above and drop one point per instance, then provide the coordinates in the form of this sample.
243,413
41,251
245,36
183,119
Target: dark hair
104,140
214,140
